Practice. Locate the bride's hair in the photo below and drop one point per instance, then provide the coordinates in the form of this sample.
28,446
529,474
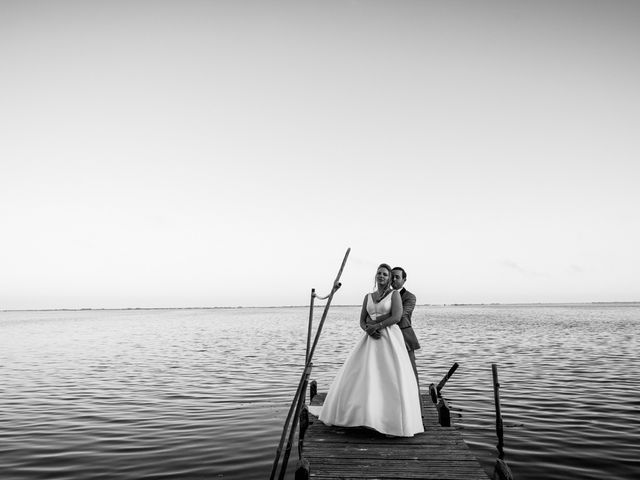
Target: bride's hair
375,282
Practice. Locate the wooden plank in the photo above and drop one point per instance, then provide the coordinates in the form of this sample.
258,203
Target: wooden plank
427,475
426,454
361,453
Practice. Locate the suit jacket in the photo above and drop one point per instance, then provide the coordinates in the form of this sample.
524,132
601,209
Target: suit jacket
408,304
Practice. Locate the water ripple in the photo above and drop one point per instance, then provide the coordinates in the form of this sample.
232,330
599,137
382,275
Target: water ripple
189,394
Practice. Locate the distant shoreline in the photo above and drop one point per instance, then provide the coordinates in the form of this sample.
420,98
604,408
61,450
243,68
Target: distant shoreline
494,304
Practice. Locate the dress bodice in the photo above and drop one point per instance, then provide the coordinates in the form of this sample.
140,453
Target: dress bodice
383,306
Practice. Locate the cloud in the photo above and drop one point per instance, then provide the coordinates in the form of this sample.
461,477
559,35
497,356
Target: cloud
575,269
511,265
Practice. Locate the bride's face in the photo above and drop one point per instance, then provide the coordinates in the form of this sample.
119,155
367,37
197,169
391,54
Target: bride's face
382,277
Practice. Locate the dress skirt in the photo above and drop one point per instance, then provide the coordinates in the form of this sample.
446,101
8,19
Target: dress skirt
376,388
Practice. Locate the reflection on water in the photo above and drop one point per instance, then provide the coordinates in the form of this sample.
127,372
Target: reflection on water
204,393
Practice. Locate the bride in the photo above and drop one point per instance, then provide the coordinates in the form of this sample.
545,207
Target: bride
376,386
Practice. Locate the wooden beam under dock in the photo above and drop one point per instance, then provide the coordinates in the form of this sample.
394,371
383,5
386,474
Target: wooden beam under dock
439,453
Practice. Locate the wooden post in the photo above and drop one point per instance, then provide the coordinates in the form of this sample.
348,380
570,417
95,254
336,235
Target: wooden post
303,472
296,417
306,355
298,398
334,289
451,371
444,413
304,424
496,399
292,408
313,390
501,470
433,393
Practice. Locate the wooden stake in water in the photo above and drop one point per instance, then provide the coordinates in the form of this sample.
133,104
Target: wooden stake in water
496,399
298,398
336,286
313,297
296,417
446,378
501,469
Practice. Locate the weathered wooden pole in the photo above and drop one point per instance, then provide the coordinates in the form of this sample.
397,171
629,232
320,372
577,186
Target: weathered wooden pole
336,286
444,412
496,399
451,371
296,417
304,425
313,297
313,390
303,470
285,428
501,470
298,398
433,393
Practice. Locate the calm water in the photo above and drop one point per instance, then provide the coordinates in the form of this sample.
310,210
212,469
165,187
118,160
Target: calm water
203,393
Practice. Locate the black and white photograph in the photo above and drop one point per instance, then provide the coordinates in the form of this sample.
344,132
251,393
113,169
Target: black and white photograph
337,239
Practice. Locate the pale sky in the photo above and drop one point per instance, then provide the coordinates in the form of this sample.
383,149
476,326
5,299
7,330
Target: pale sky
222,153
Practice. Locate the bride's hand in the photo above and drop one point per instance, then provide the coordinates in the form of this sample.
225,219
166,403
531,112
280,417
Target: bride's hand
372,330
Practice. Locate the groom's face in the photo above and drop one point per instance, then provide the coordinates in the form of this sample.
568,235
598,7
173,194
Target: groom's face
396,279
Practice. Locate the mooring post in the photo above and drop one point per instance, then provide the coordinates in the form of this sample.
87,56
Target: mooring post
294,422
451,371
298,398
303,472
501,470
313,390
303,469
444,413
496,399
433,393
304,424
306,355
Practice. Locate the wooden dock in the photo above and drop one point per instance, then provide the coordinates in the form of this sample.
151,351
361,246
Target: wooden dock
439,453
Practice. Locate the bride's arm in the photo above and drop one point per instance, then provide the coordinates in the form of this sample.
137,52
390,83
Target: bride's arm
363,315
396,312
368,327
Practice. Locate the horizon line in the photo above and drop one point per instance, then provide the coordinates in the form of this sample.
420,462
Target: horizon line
456,304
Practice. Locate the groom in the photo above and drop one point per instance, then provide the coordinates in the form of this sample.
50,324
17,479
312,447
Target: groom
398,277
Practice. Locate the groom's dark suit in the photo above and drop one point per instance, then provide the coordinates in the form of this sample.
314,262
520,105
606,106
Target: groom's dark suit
408,304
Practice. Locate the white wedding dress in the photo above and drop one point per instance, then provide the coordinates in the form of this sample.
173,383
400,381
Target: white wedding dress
376,386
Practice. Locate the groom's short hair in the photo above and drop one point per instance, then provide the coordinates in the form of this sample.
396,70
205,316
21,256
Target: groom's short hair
404,274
